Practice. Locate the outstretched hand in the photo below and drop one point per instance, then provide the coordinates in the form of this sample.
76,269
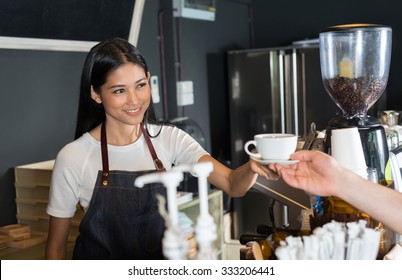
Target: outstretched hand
315,172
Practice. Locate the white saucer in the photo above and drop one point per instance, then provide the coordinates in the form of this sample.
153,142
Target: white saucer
280,161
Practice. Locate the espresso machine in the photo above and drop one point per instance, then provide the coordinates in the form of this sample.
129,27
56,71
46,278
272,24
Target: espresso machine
355,61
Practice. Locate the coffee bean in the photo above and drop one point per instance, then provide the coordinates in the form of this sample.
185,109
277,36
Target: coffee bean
355,96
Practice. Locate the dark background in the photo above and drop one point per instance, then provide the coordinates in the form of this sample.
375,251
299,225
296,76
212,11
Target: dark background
67,20
39,89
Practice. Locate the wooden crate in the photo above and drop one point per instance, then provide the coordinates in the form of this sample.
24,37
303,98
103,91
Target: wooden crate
37,224
31,207
35,174
39,193
32,185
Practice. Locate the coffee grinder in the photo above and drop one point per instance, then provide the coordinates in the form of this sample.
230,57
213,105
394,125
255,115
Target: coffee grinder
355,61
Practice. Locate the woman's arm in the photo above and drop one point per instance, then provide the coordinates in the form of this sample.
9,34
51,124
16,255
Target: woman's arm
236,182
57,239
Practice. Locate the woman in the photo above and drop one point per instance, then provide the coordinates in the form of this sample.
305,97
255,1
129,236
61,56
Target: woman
320,174
118,139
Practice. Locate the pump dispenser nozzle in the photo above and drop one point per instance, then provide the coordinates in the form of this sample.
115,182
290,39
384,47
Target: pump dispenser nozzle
205,229
174,244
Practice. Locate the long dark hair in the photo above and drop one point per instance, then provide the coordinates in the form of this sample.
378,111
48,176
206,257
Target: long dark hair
101,60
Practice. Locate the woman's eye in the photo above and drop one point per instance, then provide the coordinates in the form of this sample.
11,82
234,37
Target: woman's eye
141,85
118,91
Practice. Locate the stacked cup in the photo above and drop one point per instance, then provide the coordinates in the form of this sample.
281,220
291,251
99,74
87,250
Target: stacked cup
347,149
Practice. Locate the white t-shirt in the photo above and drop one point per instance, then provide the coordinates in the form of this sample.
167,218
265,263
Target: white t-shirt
77,164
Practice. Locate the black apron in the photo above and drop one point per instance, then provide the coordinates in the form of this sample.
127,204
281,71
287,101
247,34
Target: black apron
122,221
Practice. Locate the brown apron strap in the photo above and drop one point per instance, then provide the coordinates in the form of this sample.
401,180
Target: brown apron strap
157,162
105,158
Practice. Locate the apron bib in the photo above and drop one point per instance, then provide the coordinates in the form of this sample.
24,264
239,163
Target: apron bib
122,221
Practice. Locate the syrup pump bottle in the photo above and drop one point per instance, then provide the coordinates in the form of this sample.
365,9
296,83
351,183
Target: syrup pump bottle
174,243
205,230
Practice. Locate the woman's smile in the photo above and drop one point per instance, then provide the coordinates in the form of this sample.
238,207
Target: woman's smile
133,111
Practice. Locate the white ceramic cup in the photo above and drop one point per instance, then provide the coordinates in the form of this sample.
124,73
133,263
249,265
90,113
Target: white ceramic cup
272,146
347,149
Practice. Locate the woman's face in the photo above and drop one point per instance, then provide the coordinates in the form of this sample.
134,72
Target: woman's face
125,95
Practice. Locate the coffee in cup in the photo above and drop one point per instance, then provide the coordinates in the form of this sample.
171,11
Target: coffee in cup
272,146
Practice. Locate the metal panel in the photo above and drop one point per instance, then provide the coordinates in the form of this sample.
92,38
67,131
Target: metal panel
250,101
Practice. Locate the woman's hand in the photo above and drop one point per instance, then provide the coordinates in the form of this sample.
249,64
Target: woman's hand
263,170
236,183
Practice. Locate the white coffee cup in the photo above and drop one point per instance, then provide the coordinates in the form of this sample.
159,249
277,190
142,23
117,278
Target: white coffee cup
272,146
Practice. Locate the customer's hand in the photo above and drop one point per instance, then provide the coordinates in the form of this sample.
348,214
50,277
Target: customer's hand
316,172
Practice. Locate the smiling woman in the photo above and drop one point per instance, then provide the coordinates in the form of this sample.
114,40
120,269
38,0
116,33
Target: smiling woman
113,146
50,26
